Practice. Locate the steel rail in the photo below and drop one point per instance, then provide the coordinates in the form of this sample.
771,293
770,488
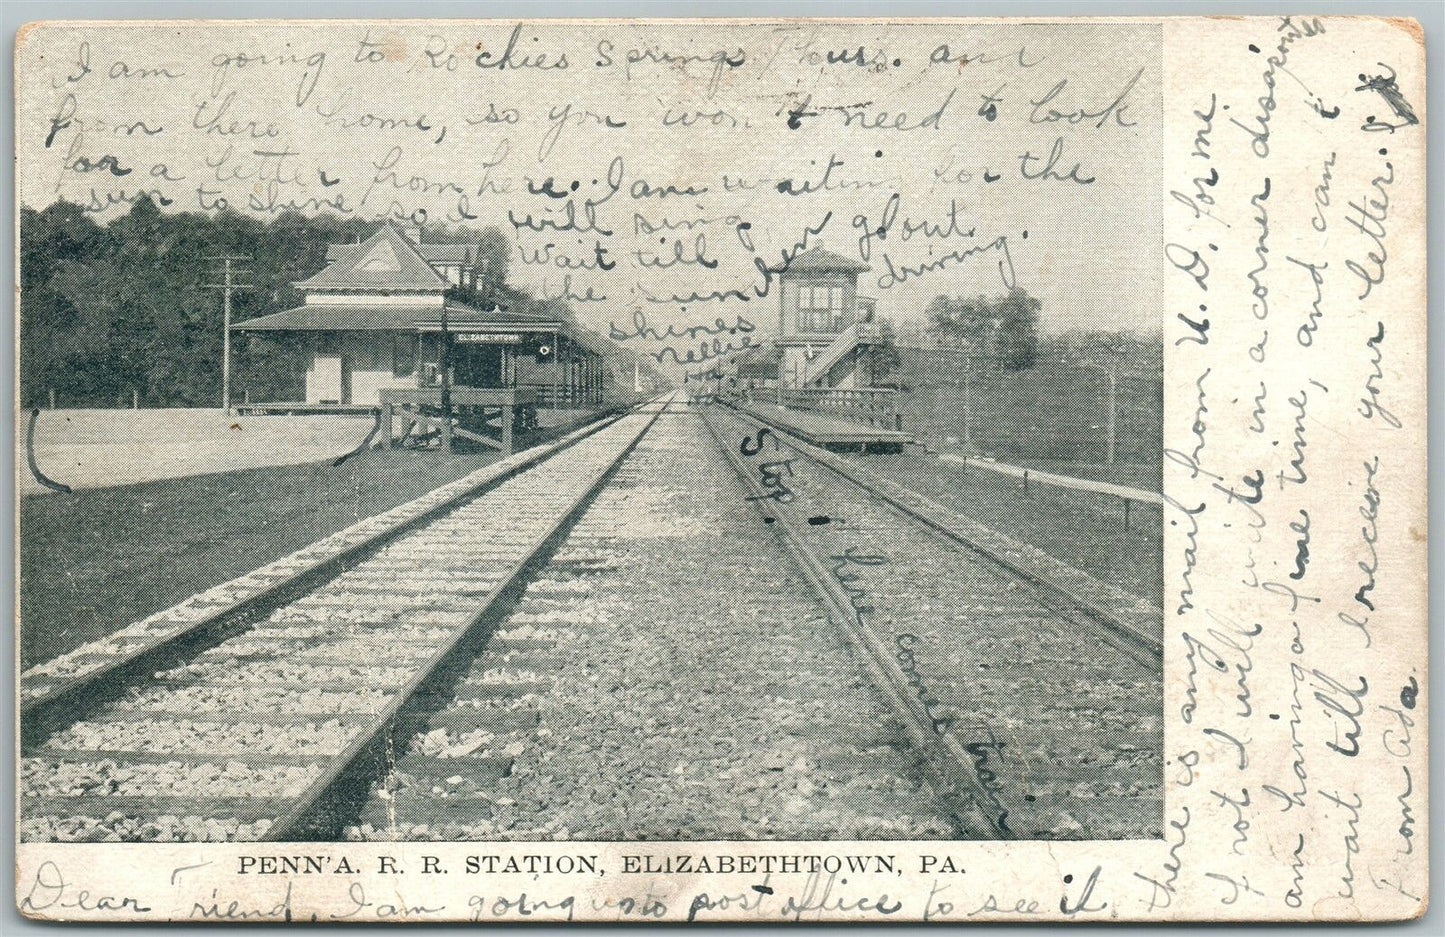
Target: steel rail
319,810
72,697
1145,648
954,780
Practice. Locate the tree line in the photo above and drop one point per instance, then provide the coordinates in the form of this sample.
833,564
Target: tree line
1003,329
111,310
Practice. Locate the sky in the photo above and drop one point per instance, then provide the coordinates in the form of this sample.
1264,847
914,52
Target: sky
682,156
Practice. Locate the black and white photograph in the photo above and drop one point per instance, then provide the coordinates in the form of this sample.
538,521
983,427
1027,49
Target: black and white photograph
748,436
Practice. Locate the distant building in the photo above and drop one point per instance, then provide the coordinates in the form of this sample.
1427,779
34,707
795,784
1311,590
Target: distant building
818,319
824,330
372,320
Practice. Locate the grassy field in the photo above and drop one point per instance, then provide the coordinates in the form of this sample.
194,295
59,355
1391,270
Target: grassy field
1083,529
98,559
1053,416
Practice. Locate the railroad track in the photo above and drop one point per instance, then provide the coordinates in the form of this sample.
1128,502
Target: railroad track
291,681
439,671
665,674
1038,713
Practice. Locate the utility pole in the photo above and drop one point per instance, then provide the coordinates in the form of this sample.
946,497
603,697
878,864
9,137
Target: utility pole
1114,356
1113,409
967,399
556,367
226,288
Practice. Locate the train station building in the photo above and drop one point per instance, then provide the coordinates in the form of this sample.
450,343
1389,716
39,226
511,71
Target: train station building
373,318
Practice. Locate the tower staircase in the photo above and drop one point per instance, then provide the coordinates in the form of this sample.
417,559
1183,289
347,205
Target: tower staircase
859,334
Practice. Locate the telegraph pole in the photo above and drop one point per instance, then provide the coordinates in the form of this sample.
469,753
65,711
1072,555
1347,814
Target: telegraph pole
1114,357
967,399
226,288
1113,411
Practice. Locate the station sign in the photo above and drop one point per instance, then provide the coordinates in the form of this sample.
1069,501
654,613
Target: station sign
487,338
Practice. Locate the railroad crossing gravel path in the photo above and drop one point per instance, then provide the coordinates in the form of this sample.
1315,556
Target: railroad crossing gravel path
669,675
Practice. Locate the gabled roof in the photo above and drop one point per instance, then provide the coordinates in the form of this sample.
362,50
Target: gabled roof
432,253
364,317
384,261
818,260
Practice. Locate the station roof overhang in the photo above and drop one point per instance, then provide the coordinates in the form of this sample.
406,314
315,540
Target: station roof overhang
461,320
380,317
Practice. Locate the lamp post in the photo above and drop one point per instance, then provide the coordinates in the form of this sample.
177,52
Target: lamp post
1113,414
967,397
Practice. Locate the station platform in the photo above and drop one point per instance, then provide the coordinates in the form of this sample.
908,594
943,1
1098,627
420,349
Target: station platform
294,408
825,430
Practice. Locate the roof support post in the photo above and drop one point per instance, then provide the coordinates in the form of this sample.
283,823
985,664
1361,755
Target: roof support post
446,393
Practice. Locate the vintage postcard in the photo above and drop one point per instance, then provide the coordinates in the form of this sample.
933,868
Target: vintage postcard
722,470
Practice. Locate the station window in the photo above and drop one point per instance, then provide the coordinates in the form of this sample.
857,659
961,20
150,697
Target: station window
820,308
403,356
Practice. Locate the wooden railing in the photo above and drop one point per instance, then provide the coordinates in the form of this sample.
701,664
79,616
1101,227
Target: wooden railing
564,397
874,406
1124,492
472,412
461,396
543,396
